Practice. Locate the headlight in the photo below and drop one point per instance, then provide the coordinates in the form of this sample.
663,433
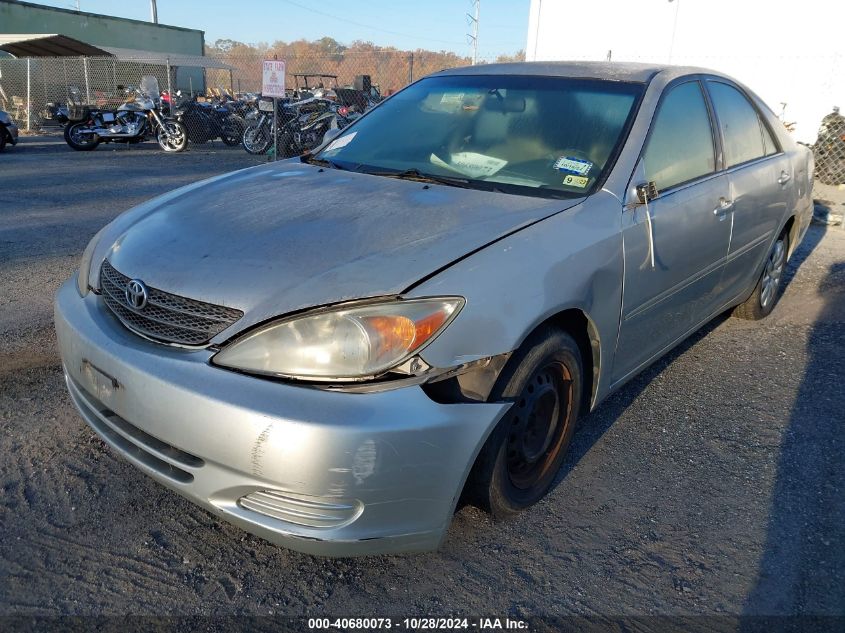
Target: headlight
85,264
343,343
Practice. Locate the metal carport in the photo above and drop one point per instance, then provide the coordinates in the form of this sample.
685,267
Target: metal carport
29,45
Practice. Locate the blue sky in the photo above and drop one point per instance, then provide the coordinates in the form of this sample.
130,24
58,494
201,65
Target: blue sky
432,24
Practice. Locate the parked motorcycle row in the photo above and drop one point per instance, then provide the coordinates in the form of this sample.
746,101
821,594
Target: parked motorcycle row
303,119
301,122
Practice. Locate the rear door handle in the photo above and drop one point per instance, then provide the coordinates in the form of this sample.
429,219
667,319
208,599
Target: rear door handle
784,178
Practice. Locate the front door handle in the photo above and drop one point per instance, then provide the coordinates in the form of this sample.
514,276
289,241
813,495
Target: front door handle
784,178
725,205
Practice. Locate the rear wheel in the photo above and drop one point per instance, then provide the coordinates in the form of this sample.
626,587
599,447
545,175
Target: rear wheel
78,140
172,136
520,460
2,138
766,293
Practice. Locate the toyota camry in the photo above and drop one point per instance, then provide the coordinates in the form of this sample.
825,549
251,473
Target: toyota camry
332,351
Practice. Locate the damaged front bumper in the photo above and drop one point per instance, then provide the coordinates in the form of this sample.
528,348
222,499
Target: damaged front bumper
316,471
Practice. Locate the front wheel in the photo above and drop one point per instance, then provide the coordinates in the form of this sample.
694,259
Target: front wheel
520,460
257,138
78,140
172,136
767,291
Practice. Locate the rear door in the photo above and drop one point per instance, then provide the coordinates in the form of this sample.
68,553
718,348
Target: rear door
760,176
674,255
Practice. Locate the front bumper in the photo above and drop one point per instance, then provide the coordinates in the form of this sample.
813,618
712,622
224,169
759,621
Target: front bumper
396,458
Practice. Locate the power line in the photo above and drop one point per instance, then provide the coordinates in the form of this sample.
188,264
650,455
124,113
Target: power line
367,26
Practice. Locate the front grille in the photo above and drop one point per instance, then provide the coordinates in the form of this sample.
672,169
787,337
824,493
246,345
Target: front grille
165,317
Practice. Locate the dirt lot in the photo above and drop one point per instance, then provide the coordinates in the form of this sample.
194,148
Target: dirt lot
712,484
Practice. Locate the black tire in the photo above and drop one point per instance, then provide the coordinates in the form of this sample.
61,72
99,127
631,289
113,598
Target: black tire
172,137
522,457
288,147
2,138
233,130
72,139
257,138
766,293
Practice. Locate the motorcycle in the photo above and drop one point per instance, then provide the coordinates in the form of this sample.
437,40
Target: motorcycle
207,121
829,149
55,111
302,125
137,119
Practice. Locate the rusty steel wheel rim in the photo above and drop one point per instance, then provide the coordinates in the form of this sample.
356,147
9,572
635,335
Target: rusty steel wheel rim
539,420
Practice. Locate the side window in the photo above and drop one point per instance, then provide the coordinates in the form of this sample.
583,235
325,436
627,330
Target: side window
739,124
769,143
680,147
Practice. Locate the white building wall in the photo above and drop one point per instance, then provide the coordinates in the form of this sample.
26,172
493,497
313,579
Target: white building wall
787,52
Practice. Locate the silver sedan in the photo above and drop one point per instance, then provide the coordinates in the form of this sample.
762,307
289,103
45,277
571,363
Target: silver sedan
332,351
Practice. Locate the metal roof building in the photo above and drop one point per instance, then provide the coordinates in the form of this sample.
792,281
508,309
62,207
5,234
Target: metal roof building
99,30
144,42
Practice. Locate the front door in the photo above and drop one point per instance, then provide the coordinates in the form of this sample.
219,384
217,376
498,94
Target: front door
674,262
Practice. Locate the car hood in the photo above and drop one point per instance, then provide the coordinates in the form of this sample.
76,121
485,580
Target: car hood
278,238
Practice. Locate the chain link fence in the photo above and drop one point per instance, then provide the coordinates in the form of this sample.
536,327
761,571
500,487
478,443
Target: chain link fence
388,70
829,185
29,87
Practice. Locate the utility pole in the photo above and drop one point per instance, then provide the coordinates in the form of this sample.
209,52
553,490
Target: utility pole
153,12
474,37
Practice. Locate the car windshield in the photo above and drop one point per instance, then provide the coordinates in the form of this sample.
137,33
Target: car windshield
542,136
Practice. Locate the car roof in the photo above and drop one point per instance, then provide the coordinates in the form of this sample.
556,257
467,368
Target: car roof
613,71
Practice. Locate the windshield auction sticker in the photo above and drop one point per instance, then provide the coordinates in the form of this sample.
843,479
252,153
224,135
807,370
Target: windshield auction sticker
573,165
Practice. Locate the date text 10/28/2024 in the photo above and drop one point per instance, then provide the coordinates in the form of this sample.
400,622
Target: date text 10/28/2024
417,624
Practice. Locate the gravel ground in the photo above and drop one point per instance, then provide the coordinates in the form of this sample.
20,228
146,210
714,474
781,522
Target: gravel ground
712,484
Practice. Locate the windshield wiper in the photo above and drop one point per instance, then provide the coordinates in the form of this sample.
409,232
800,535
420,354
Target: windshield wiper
417,176
322,162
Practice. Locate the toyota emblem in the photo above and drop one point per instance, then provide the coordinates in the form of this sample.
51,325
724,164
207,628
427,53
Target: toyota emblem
136,294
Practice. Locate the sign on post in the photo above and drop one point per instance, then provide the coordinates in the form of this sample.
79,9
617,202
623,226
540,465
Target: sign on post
273,85
273,78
